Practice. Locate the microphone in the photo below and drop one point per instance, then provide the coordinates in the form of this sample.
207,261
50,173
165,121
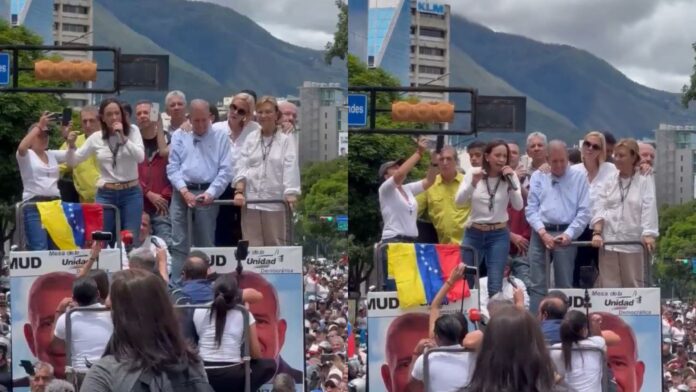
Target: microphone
511,182
475,317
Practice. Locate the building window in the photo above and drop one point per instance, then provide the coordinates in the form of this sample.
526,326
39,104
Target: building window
326,126
431,51
431,32
413,30
56,26
431,70
413,11
326,115
75,28
413,49
55,7
413,67
325,147
681,158
681,168
326,135
75,9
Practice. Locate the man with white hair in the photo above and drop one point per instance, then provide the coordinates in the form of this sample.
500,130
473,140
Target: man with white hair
175,106
536,150
289,119
558,210
200,168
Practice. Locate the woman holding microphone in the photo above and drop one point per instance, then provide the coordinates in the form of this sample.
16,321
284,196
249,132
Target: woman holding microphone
489,190
118,148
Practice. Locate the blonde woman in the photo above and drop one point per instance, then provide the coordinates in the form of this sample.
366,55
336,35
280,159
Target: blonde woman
240,123
595,166
626,210
267,170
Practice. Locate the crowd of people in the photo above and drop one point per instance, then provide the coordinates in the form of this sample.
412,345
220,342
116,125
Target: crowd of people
513,209
330,342
679,346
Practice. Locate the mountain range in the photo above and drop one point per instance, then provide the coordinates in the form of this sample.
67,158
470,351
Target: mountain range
214,51
569,91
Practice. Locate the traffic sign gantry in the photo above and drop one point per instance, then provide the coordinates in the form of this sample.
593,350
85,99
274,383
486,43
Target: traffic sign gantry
342,222
4,69
357,110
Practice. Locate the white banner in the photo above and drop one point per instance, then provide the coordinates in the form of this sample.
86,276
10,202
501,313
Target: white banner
628,302
264,260
386,304
36,263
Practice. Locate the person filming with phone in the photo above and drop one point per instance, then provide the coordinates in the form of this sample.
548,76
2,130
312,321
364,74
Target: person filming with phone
38,167
199,169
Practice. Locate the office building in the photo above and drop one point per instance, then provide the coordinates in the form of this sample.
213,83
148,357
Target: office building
357,29
35,15
675,164
5,14
72,25
388,42
323,114
430,47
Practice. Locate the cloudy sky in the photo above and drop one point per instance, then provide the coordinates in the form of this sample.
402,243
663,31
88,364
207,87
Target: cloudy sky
648,40
307,23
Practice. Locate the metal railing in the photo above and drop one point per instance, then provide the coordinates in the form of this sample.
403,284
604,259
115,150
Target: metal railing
246,337
289,227
647,278
602,360
19,219
451,350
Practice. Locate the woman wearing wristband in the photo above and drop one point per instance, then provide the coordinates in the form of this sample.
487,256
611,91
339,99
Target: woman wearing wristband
626,210
490,191
118,148
398,202
38,168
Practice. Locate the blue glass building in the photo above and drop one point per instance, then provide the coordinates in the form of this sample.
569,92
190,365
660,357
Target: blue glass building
388,37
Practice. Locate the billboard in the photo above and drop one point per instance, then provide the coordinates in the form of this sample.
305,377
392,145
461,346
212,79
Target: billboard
39,280
277,273
393,335
633,314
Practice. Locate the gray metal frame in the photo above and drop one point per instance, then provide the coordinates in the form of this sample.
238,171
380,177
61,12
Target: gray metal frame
602,357
289,227
246,337
646,259
19,222
426,361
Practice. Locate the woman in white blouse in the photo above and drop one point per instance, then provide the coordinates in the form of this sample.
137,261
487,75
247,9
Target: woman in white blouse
38,167
118,148
398,204
595,166
239,124
490,191
267,170
626,211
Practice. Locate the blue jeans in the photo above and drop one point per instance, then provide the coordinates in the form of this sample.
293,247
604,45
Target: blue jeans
520,268
37,237
204,222
162,227
130,206
563,259
493,248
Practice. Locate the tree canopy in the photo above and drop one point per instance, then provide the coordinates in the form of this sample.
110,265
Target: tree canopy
689,91
339,46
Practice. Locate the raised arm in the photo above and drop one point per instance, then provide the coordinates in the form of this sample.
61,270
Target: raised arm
456,275
411,162
41,126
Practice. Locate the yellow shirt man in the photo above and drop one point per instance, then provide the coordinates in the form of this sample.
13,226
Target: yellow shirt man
85,175
438,203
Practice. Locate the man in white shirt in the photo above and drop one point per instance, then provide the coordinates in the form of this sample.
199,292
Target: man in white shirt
510,283
90,330
447,371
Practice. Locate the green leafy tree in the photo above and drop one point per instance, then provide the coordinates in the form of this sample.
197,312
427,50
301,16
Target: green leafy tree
677,242
325,190
689,91
17,112
339,46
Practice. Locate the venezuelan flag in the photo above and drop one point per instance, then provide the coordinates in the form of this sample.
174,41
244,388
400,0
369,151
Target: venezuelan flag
70,225
420,270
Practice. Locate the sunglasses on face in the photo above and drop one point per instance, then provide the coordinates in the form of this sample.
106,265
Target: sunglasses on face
595,147
238,110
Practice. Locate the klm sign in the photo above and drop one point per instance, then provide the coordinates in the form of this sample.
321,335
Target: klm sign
428,8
